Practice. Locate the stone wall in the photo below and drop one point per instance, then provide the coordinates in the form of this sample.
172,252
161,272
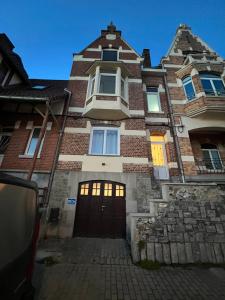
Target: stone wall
188,228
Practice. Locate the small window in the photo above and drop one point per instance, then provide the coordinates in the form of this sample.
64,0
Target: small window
212,84
5,137
96,189
105,141
211,157
108,190
107,83
84,189
32,144
153,100
119,190
189,88
109,55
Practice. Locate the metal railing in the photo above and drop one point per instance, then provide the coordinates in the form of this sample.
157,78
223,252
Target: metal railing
210,166
210,92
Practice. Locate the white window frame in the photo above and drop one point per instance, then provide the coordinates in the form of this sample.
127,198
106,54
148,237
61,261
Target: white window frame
29,141
189,100
159,100
211,158
104,141
212,84
99,83
110,49
92,79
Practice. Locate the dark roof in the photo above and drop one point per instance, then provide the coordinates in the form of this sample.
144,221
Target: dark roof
52,89
13,59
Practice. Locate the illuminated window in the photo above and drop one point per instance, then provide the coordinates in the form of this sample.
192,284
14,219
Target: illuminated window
108,189
96,188
119,190
84,189
157,149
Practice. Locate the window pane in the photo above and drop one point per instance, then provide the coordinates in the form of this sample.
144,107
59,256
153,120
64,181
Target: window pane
97,142
92,85
96,189
153,102
109,55
84,189
189,91
4,142
33,142
108,189
216,159
219,87
111,142
207,86
119,191
107,84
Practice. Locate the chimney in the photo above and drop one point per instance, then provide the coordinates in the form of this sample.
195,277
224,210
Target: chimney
147,58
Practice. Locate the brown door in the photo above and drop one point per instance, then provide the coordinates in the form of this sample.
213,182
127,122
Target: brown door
101,210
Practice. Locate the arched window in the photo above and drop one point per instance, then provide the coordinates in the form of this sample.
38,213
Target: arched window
211,157
189,88
212,84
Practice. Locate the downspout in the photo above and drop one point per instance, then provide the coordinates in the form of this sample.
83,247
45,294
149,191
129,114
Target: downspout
177,146
59,142
40,137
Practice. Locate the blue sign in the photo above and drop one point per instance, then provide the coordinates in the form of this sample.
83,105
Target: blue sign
71,201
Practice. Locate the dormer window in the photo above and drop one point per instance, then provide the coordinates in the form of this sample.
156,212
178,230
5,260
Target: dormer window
109,55
189,88
212,84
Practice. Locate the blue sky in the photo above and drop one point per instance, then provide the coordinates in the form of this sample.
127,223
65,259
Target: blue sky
47,32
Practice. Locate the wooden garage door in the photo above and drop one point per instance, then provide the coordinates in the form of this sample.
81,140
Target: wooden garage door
101,210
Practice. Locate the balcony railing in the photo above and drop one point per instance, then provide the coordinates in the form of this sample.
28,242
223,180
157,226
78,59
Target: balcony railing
210,166
218,92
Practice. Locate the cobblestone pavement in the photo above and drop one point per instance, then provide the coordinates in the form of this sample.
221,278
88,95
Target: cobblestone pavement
102,269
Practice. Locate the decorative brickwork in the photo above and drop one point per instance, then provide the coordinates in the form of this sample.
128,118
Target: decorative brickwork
133,146
75,143
69,165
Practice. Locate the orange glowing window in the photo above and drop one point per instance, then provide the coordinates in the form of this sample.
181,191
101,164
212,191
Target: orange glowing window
96,188
119,190
108,189
84,189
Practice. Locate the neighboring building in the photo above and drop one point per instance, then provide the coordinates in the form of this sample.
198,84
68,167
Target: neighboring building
27,106
195,80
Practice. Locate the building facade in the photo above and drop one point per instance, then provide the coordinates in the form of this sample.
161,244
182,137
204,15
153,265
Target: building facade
30,120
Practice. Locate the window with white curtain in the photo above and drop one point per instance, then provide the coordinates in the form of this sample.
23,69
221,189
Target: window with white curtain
105,141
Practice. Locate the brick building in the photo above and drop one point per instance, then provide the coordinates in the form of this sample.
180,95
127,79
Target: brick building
30,110
195,81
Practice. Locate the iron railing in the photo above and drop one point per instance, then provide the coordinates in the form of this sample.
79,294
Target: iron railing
210,166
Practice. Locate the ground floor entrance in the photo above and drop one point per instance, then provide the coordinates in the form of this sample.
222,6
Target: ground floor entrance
101,210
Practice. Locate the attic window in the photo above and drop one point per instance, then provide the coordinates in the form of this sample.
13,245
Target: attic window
109,55
38,87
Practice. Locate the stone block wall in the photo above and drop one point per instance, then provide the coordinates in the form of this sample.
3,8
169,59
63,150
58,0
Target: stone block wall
188,228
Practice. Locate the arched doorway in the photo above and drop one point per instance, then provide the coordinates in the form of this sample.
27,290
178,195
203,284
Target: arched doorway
101,209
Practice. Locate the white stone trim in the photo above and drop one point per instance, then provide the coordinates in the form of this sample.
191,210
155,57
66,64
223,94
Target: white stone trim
135,80
134,160
189,158
173,66
153,70
156,120
167,137
76,109
79,78
93,49
172,84
137,112
17,124
29,125
184,101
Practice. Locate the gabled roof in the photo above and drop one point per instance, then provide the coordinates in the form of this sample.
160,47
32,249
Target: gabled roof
39,89
13,59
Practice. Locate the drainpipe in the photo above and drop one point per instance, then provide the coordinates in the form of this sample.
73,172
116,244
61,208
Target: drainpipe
59,142
177,146
41,135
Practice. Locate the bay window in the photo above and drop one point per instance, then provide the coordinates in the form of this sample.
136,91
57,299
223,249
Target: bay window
212,84
104,141
189,88
108,82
